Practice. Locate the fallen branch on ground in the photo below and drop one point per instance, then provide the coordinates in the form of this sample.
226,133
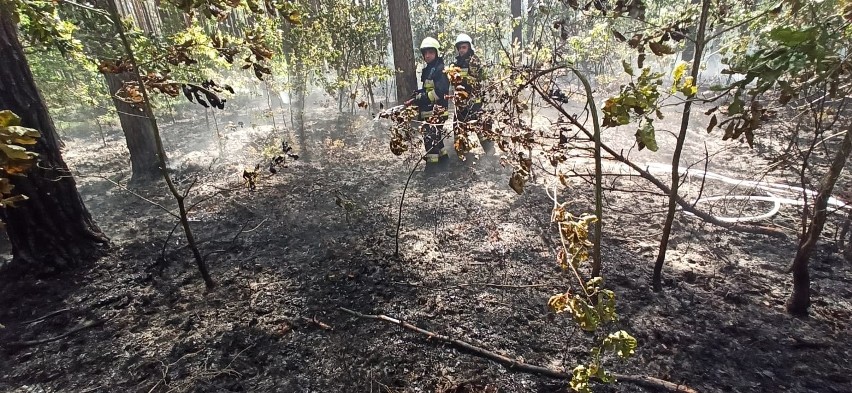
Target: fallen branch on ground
80,327
513,364
42,318
472,284
320,324
514,286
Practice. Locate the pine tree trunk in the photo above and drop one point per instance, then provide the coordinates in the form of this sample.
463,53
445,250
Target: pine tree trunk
403,51
137,131
52,229
800,299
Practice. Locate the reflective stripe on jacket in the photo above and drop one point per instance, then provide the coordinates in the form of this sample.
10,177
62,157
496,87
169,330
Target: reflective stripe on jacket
436,86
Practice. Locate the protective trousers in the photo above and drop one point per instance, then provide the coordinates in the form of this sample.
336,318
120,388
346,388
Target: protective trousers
433,137
470,112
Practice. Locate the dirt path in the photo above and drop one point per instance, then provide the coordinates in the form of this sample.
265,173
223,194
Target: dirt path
319,235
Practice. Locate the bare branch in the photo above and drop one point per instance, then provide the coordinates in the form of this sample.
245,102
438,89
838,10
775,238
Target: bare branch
518,365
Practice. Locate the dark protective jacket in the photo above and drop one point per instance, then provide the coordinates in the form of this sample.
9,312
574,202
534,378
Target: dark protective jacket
472,73
436,86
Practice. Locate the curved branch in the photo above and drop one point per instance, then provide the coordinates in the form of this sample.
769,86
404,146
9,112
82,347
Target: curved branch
518,365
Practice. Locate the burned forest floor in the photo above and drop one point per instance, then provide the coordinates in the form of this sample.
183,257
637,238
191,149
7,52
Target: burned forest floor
477,263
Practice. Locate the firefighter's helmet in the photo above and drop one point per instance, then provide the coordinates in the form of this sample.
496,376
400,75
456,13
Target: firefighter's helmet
430,43
462,38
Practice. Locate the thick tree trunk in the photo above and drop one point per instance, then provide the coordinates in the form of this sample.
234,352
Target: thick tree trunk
137,131
403,50
800,299
52,229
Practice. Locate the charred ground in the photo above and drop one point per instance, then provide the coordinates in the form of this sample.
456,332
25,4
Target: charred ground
477,264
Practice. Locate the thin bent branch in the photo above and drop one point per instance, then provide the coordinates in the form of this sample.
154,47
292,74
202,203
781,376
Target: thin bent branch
517,365
80,327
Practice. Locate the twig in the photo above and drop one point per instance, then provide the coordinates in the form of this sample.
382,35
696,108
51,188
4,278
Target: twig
315,321
57,312
251,230
88,8
80,327
471,284
703,178
166,242
134,193
186,192
220,191
234,239
401,201
517,365
509,285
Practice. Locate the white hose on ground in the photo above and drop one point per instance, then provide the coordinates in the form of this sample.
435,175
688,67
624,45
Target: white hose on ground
769,188
792,195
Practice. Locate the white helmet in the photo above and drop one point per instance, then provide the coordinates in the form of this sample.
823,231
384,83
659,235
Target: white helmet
430,43
462,38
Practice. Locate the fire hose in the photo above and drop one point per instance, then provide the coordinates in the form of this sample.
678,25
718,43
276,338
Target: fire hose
775,192
772,191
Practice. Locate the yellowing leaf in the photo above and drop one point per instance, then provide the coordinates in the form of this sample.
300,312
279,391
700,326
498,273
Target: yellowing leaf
7,118
24,141
580,380
18,167
679,72
622,343
295,17
14,152
25,135
584,314
558,303
689,89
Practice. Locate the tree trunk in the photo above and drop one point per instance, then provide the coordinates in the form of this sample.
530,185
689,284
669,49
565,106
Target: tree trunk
439,18
657,279
299,80
689,46
800,299
516,22
52,229
531,19
403,48
137,131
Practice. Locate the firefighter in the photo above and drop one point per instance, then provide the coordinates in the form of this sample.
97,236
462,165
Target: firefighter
472,75
435,87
